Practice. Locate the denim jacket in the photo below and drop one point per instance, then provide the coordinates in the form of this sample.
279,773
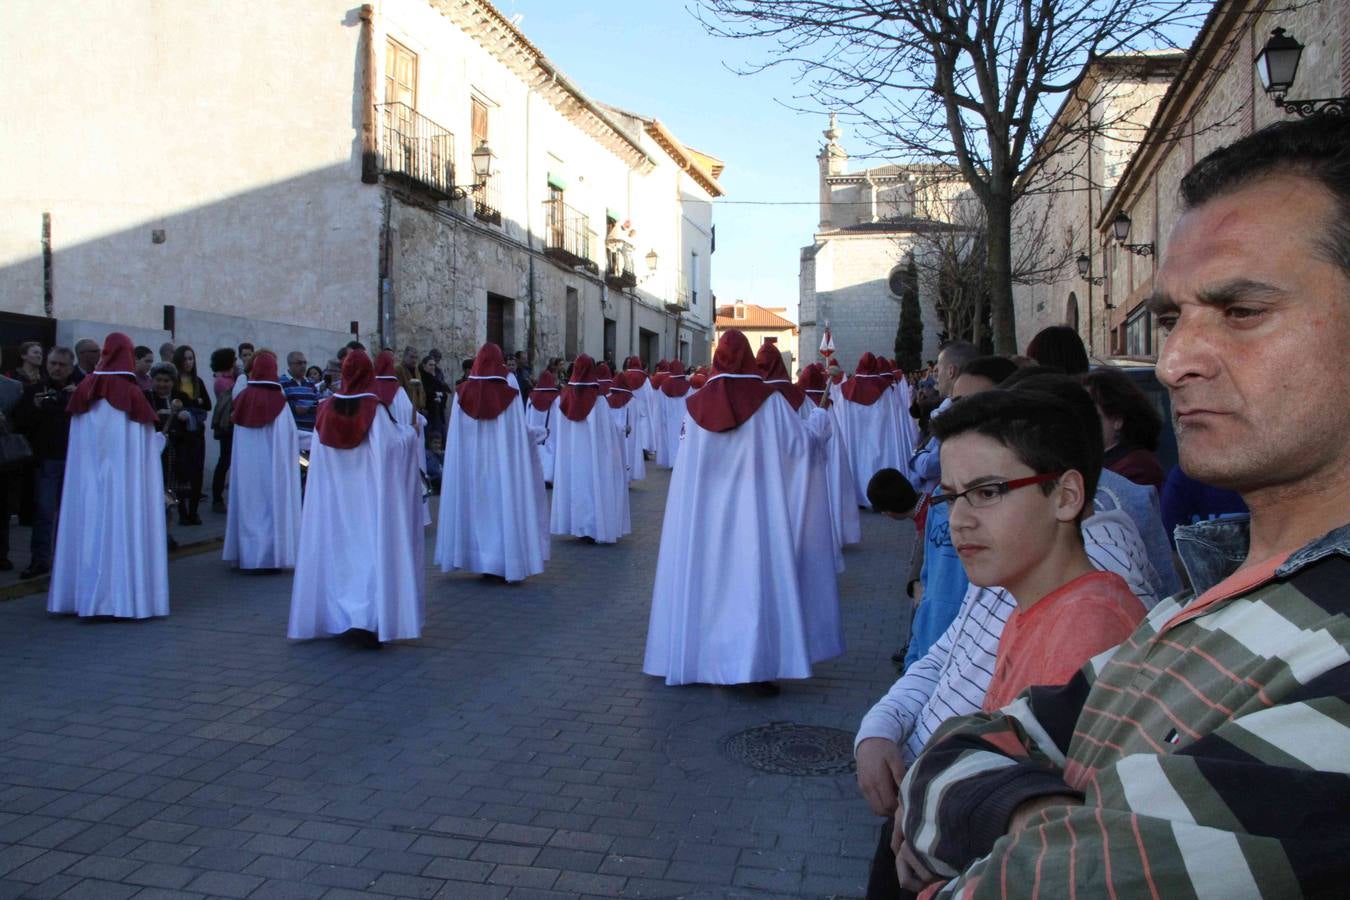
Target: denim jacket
1213,550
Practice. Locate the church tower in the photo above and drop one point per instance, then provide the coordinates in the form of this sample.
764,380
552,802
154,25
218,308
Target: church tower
833,160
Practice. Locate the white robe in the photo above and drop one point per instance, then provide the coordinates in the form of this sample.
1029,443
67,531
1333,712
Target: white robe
669,426
628,419
262,528
362,547
590,487
402,410
899,395
844,518
745,581
494,509
646,432
545,421
111,549
653,396
871,437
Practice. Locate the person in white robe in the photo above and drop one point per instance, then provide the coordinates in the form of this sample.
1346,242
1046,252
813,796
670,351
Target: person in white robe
904,399
111,555
360,565
628,413
494,509
641,387
671,399
654,404
395,398
541,417
839,475
590,486
262,525
745,589
867,419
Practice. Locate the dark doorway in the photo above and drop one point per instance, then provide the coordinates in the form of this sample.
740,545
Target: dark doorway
611,337
498,321
572,325
650,342
15,329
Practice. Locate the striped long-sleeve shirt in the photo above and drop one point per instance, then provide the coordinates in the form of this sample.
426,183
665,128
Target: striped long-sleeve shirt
951,679
1211,752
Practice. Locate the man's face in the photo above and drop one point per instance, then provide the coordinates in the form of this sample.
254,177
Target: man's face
245,355
946,374
1258,322
1000,543
59,366
296,364
511,364
410,358
143,363
88,357
163,384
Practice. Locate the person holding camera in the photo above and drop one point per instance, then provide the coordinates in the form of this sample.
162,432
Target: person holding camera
182,434
42,417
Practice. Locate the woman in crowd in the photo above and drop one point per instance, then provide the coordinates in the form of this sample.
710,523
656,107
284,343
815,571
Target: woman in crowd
437,392
177,424
1130,426
29,369
222,384
314,375
191,452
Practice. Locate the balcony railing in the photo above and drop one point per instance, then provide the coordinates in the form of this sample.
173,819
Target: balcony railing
619,271
567,235
415,149
486,205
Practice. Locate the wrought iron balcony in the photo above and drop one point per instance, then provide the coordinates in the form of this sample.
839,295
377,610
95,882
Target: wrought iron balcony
567,235
416,150
486,205
619,271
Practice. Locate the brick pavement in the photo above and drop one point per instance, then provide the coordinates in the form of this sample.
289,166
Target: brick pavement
517,750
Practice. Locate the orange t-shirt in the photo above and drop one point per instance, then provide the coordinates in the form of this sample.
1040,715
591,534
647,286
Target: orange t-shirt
1048,642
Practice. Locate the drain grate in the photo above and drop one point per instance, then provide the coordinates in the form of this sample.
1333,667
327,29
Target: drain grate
786,748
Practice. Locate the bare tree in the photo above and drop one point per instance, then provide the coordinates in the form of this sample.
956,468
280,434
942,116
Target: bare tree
971,83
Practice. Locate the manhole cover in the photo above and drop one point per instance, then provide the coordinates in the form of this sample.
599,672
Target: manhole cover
786,748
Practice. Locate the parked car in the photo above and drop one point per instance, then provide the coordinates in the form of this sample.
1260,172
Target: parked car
1142,373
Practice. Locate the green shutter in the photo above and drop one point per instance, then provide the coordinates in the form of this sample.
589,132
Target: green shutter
557,181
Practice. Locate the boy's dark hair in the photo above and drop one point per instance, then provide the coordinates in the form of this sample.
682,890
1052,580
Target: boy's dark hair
1067,390
889,491
245,346
141,351
1061,347
995,368
222,359
1117,395
1024,372
1041,430
1317,148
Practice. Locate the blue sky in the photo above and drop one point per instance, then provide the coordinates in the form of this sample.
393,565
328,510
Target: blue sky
653,57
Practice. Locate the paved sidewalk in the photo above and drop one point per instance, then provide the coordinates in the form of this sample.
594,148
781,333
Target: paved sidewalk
516,750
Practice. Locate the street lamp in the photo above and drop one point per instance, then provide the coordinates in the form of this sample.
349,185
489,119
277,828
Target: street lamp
1121,229
1085,268
482,158
652,259
1277,65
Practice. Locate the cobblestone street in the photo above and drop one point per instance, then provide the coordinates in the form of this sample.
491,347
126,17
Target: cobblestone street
516,750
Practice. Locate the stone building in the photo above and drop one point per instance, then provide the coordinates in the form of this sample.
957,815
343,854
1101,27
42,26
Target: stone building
415,172
1215,98
1074,170
852,275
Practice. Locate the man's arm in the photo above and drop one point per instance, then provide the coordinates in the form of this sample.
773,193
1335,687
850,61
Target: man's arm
1254,808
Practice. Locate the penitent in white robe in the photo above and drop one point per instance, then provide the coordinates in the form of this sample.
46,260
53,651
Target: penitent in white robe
494,509
590,487
545,422
404,414
871,437
645,398
668,428
844,520
111,549
628,419
262,528
362,547
745,581
899,394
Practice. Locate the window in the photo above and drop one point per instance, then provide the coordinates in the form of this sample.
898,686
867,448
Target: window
739,311
400,74
1139,333
478,123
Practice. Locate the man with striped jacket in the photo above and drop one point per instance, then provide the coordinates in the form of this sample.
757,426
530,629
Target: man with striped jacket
1209,754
